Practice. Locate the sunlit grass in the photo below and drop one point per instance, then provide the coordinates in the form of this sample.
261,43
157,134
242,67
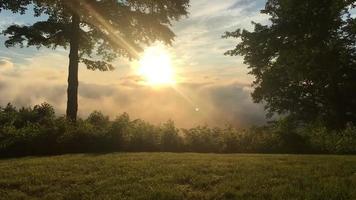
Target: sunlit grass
179,176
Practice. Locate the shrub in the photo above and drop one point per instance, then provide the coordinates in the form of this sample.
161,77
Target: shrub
118,133
232,140
37,131
323,140
346,140
203,139
170,139
142,136
289,136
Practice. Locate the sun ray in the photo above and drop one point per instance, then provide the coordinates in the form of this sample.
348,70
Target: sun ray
112,33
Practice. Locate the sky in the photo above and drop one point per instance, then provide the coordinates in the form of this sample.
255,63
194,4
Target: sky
213,89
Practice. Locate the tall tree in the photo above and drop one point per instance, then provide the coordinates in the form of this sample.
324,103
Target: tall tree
95,31
304,60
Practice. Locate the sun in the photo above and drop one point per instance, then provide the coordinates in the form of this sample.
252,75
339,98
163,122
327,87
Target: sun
155,66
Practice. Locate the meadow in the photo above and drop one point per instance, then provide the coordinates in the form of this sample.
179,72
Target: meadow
178,176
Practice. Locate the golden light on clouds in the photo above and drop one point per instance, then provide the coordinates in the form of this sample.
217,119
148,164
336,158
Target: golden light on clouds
155,66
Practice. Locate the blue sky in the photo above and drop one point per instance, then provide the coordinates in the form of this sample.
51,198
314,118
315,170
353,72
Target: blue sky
216,84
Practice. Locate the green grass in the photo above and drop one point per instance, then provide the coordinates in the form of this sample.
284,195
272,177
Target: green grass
179,176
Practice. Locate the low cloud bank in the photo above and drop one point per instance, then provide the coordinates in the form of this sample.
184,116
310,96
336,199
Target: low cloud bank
188,104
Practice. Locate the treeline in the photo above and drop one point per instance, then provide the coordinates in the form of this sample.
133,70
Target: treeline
37,131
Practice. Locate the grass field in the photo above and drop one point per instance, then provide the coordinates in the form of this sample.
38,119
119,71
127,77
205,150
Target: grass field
179,176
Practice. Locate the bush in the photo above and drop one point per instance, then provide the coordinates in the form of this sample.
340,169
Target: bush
118,133
142,136
170,139
27,131
203,139
323,140
37,131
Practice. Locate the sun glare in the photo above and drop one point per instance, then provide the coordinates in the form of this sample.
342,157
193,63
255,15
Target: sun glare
155,66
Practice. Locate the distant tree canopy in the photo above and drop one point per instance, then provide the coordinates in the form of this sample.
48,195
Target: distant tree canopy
304,61
96,32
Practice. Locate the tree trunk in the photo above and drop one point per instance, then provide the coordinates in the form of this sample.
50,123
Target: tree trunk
72,92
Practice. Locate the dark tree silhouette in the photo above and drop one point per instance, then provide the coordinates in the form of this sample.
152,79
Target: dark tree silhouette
14,6
304,61
96,32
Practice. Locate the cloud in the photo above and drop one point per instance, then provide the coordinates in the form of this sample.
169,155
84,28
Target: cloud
199,44
94,91
6,65
2,85
218,103
216,84
234,103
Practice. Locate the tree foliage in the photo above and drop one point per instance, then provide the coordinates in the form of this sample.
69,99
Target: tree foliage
304,60
14,6
108,28
96,32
